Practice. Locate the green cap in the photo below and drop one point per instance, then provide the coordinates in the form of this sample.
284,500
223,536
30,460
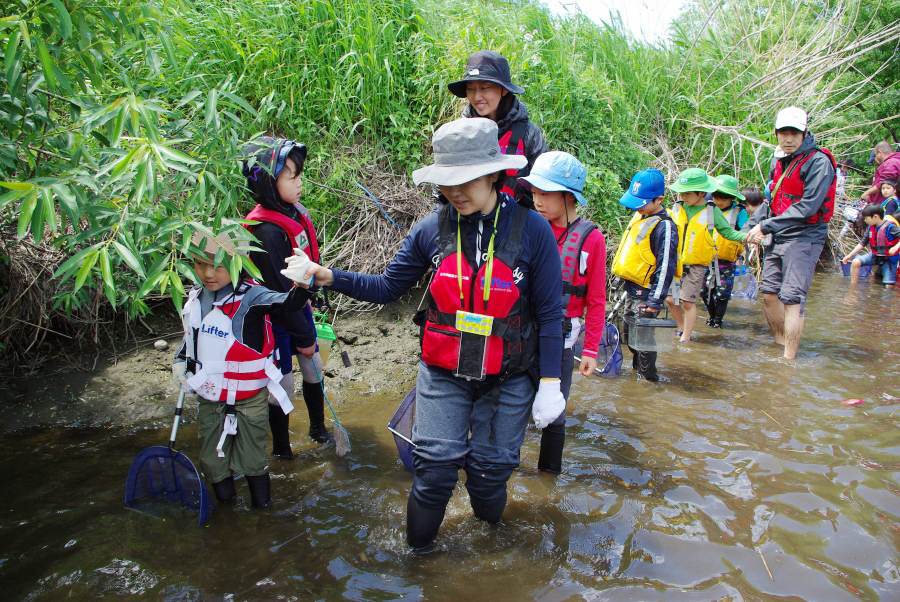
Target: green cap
728,185
694,180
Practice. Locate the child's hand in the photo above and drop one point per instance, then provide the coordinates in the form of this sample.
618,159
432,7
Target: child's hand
847,258
894,249
307,352
588,365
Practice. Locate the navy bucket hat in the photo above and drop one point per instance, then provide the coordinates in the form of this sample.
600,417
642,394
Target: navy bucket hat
485,66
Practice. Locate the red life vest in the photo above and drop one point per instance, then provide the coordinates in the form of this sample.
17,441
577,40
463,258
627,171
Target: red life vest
880,241
224,368
570,260
791,189
512,344
302,234
512,143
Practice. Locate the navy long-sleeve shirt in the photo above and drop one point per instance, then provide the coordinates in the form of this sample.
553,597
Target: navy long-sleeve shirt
537,272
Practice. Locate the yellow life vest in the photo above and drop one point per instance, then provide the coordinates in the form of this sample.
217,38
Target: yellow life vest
696,244
634,260
728,249
891,219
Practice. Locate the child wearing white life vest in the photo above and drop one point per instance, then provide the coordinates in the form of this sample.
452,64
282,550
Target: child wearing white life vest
557,182
227,358
882,236
273,168
697,220
719,279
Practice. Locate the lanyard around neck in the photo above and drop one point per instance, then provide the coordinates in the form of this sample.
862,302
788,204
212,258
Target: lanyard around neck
489,270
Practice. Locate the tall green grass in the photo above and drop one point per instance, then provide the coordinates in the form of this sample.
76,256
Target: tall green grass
121,124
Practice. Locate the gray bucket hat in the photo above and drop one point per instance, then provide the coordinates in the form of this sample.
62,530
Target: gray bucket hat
464,150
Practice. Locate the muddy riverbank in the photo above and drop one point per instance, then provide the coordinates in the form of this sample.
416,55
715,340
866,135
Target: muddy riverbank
124,382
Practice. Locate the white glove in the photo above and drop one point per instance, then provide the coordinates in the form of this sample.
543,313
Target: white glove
229,428
178,375
549,403
297,265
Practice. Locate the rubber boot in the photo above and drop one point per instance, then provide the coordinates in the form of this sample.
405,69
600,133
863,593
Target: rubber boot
315,406
224,490
260,490
721,307
553,438
647,365
279,422
422,524
711,305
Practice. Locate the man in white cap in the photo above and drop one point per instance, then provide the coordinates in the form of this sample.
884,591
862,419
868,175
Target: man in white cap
802,205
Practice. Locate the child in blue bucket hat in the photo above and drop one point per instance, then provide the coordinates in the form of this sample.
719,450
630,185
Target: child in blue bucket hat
557,182
647,258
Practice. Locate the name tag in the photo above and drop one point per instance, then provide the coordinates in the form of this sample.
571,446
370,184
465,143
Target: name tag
474,323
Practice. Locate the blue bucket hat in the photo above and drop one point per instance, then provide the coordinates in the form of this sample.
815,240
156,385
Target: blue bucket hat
645,186
556,171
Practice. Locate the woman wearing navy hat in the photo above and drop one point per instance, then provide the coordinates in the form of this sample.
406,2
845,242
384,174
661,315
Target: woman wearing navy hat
488,87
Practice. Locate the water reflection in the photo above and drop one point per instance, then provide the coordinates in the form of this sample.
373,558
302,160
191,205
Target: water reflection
736,465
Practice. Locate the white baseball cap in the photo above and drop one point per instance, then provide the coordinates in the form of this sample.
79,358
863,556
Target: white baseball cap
791,117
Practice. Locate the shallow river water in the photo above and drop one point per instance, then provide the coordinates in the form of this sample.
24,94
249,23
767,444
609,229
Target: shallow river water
738,465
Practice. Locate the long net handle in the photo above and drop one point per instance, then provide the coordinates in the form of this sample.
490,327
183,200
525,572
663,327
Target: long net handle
178,408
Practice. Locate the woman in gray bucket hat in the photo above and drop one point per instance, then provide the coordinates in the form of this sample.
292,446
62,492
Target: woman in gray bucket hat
488,86
491,334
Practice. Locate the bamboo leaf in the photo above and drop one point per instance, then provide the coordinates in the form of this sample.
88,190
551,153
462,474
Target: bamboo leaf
211,102
65,20
188,98
67,201
23,29
11,196
46,65
129,258
240,102
177,284
49,210
140,181
234,269
251,268
151,282
37,217
17,185
11,56
25,213
73,261
177,291
118,127
220,254
105,267
169,48
89,260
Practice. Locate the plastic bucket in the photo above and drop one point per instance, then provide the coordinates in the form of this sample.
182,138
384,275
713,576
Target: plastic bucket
325,336
650,334
864,270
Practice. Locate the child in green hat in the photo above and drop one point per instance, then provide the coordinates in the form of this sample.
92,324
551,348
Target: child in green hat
719,284
697,220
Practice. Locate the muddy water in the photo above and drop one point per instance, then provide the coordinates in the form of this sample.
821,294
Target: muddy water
738,465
